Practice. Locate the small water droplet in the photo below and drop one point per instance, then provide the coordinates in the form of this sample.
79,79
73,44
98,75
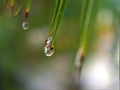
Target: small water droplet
49,51
48,48
25,25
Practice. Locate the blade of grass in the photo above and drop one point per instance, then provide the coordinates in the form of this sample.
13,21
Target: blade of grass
82,14
12,2
6,2
86,25
54,17
27,9
19,8
81,54
5,6
82,18
59,18
28,5
59,12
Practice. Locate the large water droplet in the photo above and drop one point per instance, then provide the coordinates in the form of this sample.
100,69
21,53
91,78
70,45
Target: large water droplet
25,25
49,51
48,48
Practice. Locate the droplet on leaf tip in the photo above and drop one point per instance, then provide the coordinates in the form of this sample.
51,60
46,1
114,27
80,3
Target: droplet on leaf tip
48,48
49,51
25,25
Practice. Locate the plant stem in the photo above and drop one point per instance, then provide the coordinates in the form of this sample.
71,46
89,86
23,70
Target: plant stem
59,12
86,15
12,2
27,9
19,8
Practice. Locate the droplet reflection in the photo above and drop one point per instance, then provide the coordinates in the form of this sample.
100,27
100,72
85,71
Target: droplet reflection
25,25
48,48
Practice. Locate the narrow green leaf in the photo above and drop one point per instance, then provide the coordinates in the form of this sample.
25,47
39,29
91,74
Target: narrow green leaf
19,8
59,12
28,5
85,26
12,2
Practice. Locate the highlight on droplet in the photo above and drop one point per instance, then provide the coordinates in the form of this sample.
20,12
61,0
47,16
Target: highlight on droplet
25,25
48,48
49,51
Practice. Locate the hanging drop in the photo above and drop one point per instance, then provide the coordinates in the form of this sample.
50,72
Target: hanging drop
25,25
48,48
25,22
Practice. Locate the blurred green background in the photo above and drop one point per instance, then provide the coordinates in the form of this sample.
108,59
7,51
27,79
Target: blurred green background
23,65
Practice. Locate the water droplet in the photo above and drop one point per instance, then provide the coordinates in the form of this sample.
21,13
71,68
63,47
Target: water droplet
25,25
48,48
49,51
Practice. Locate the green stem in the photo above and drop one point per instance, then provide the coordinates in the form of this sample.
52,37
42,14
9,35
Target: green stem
19,8
82,14
86,25
12,2
28,5
59,12
27,10
54,17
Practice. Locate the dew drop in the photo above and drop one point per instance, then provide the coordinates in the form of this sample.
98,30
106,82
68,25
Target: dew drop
48,48
49,51
25,25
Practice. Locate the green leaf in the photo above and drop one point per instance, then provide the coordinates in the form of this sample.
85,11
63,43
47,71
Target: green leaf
59,12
